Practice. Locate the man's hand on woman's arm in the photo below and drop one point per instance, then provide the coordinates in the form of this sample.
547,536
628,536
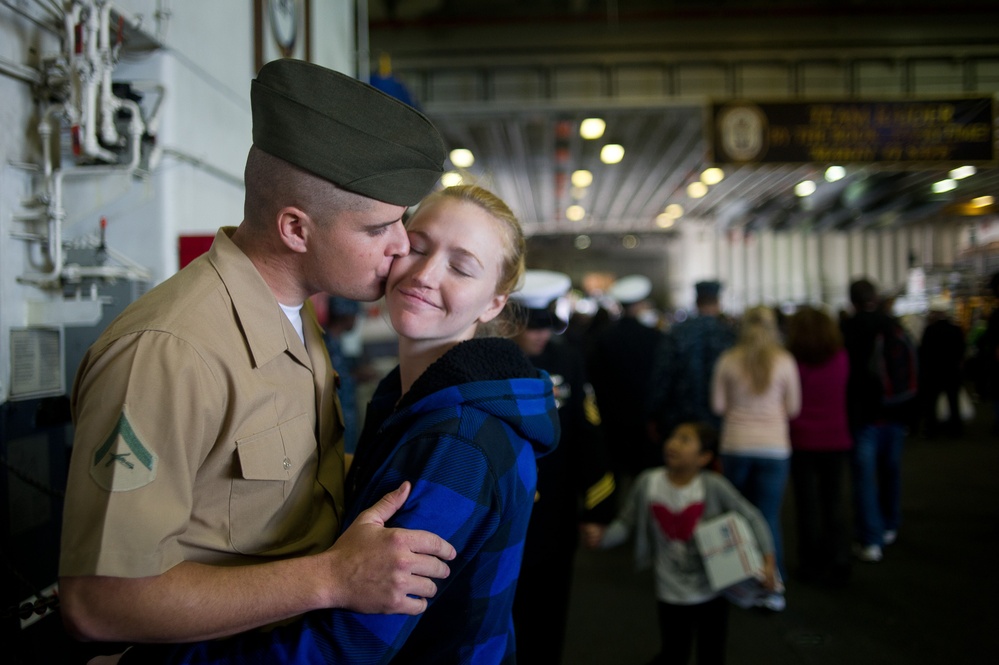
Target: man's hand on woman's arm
369,569
375,570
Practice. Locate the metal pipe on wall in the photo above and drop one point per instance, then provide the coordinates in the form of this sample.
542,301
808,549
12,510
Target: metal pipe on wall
88,56
34,19
54,215
90,70
109,102
20,72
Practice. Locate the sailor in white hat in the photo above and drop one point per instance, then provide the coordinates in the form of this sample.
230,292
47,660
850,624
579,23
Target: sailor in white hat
631,290
620,365
537,297
575,474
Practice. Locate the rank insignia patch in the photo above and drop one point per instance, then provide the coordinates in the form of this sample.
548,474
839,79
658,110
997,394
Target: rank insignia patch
122,462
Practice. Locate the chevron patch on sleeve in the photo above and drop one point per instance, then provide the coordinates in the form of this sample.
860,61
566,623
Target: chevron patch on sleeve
122,462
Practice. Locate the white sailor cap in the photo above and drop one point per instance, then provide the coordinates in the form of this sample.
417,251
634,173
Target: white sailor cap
540,288
536,293
631,289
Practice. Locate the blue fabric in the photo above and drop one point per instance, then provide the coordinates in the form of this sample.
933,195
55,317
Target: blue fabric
680,387
470,451
877,490
762,481
346,391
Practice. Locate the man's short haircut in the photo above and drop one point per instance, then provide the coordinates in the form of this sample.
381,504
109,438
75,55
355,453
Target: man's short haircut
863,294
706,300
273,183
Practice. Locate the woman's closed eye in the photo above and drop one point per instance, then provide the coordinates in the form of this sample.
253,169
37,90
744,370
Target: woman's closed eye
461,269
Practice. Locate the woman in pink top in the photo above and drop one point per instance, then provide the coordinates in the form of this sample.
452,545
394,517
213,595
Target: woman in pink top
755,389
821,443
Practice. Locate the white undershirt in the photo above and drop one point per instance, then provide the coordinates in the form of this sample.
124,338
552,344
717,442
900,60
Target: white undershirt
294,314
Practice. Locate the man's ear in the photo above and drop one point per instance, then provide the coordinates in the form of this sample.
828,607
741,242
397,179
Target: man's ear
294,226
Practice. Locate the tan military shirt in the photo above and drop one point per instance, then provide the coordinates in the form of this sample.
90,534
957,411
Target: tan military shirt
204,430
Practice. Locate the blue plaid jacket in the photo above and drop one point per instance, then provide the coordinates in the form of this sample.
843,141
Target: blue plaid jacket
467,436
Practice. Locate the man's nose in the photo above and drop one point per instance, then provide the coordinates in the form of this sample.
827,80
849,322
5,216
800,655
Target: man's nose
398,244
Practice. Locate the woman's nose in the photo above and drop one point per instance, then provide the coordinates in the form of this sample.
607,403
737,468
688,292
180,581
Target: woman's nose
427,272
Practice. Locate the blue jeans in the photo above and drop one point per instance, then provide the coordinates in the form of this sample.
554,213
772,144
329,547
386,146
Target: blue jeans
762,481
877,466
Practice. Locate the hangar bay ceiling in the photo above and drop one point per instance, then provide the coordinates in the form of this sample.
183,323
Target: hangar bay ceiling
511,81
529,156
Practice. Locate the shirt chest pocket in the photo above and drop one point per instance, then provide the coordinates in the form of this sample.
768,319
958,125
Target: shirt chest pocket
272,493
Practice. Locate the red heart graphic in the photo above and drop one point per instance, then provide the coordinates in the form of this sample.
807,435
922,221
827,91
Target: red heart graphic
678,526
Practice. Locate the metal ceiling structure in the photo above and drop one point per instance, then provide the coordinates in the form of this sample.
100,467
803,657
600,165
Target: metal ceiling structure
501,81
528,157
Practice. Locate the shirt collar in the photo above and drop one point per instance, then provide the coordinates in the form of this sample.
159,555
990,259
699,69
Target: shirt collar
267,330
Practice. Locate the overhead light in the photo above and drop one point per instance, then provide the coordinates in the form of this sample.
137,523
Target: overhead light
665,221
696,190
804,188
674,210
592,128
462,158
582,242
629,242
963,172
451,179
581,178
982,201
612,153
944,186
712,176
575,213
834,173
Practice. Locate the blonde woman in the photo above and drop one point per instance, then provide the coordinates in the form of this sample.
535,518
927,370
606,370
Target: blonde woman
756,391
462,418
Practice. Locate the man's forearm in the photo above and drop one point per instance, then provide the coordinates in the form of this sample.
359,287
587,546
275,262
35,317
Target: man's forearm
369,569
190,602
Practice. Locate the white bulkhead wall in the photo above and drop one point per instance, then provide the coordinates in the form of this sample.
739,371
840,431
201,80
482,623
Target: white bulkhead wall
776,267
193,63
203,72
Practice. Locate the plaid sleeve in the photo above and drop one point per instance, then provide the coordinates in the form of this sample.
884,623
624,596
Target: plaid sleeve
454,496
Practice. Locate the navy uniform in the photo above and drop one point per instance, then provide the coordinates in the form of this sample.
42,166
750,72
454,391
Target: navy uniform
574,481
341,319
620,365
682,369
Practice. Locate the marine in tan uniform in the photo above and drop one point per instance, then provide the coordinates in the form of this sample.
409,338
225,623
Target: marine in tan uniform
206,481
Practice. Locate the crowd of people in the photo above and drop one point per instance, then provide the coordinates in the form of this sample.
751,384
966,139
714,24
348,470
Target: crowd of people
824,402
240,507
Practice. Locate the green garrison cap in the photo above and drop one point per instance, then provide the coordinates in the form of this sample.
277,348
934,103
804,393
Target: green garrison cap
345,131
